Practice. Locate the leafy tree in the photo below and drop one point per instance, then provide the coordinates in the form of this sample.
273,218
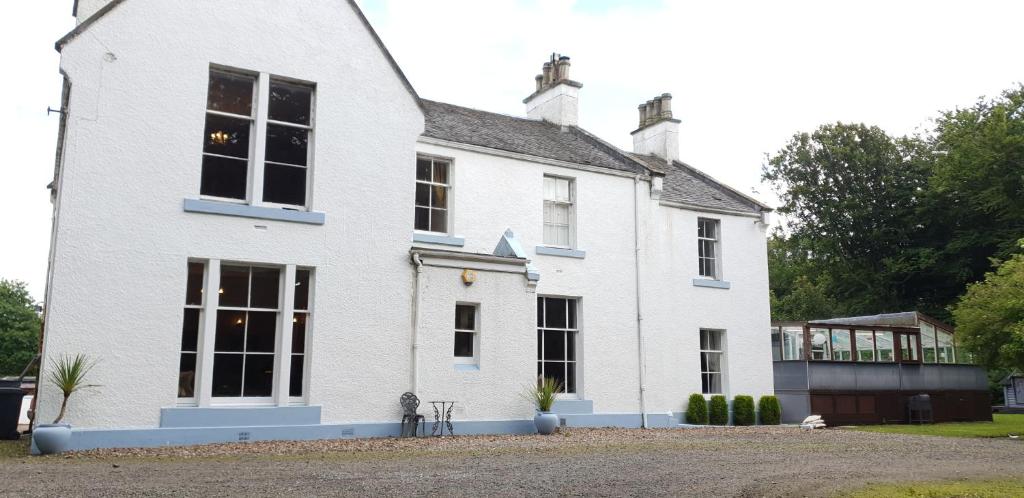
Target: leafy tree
990,317
19,327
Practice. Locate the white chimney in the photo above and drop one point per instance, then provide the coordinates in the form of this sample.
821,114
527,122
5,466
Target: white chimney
658,133
83,9
556,97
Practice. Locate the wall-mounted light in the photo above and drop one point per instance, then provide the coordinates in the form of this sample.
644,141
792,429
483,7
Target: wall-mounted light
468,276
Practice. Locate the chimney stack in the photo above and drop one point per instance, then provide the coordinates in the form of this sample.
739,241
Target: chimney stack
658,133
556,97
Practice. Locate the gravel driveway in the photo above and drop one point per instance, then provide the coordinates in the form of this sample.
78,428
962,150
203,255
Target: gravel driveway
755,461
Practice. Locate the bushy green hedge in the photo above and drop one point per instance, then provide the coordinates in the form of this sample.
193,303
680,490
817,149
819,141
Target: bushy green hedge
718,411
697,410
770,410
743,410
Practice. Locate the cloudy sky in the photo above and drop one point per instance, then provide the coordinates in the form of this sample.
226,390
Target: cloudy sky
745,76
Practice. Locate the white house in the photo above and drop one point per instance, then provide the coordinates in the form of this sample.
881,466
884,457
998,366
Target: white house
364,242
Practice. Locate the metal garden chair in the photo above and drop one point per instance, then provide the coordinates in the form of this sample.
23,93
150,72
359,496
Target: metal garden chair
410,419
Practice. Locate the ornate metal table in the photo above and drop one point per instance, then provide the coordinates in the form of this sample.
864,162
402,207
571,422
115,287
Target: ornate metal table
442,417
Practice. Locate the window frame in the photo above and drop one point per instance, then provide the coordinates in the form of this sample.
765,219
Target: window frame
475,358
716,245
259,120
721,353
571,216
449,191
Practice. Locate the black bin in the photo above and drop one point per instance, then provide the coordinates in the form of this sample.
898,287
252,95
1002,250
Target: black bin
10,411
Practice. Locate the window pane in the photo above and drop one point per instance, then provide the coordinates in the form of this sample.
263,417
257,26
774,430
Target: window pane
714,340
572,313
422,194
705,340
700,228
865,345
440,172
190,330
302,289
928,342
230,331
562,190
821,349
259,375
555,370
438,220
792,343
713,383
945,348
713,362
227,375
194,286
299,333
226,136
230,93
284,184
187,375
554,313
287,145
550,190
439,196
265,287
261,332
884,345
570,346
465,317
234,286
554,345
540,345
423,219
295,381
223,177
841,345
540,311
290,103
776,344
570,377
464,344
423,169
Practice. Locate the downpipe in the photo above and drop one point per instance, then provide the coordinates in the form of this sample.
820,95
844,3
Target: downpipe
641,346
416,322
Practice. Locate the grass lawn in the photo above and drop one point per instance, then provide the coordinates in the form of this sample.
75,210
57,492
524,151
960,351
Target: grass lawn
14,449
1001,426
971,489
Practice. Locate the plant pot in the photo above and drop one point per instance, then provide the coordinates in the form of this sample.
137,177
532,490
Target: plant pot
546,422
51,438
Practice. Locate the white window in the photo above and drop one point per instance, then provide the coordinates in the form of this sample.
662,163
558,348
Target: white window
256,143
432,188
467,342
557,332
711,355
234,344
559,212
707,249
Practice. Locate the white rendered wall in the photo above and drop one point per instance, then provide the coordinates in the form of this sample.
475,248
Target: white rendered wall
660,139
87,8
134,143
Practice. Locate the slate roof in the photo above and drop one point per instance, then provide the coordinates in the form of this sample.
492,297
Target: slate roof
524,136
685,184
905,319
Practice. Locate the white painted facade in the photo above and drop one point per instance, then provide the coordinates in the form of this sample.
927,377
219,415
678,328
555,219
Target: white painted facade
131,159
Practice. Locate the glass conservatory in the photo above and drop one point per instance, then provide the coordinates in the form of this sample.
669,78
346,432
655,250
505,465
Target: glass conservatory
863,369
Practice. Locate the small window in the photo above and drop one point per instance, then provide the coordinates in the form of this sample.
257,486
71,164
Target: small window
233,113
432,186
865,345
467,343
928,345
190,330
711,353
841,347
884,346
792,343
556,341
559,204
300,328
945,346
821,346
707,249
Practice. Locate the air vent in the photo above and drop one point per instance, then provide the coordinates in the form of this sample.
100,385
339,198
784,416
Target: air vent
243,436
561,421
348,431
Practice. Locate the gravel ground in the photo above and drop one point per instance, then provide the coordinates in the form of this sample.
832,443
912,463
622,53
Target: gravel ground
756,461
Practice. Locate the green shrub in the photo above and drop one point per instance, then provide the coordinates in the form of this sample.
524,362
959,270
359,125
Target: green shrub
697,410
718,411
743,410
770,410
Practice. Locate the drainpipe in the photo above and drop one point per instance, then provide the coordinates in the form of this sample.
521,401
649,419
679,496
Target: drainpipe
416,322
639,314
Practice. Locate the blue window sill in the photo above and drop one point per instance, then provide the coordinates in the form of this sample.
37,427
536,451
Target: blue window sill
446,240
467,368
714,284
560,251
257,212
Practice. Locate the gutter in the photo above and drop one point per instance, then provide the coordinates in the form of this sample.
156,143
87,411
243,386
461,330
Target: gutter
641,346
416,321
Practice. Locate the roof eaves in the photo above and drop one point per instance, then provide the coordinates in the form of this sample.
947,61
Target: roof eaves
84,25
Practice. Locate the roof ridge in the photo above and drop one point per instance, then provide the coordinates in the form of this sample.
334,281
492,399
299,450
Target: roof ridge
474,109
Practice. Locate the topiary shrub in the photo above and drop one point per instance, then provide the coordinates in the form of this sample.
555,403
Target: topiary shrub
718,411
770,410
697,410
743,410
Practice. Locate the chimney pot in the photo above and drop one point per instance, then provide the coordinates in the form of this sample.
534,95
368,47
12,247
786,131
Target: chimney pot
540,81
666,106
563,68
651,118
547,73
643,114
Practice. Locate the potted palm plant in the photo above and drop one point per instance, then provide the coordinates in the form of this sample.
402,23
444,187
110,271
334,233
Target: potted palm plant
543,395
68,375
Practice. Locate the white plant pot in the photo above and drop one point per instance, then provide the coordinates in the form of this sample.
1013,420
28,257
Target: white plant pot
52,438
